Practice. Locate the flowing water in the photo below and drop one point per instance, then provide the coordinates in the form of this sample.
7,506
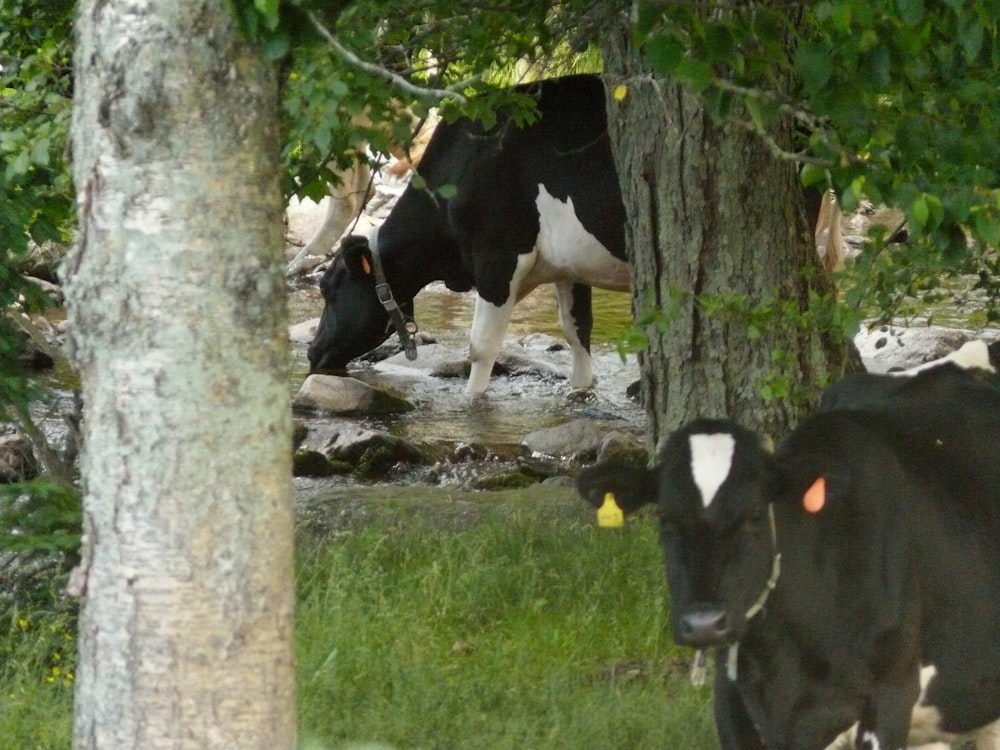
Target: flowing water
514,405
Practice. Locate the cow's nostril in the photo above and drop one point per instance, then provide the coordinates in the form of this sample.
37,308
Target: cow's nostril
704,627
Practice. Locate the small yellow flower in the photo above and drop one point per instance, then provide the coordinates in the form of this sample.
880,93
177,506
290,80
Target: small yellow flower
23,623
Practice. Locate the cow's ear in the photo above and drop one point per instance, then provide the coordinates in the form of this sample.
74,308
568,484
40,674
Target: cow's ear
357,255
633,485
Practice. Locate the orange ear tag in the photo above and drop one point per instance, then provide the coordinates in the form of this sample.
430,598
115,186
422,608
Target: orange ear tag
815,497
366,266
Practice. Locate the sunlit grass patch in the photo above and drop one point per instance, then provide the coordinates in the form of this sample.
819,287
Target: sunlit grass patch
528,628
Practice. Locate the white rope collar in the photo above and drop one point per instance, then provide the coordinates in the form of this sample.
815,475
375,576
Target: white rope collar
698,667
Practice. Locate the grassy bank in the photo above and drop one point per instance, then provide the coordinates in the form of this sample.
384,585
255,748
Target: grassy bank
493,621
429,619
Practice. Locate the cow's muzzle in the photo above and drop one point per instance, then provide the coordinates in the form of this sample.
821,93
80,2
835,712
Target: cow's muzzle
703,626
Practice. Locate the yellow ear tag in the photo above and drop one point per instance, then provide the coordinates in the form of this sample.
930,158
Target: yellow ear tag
815,497
366,266
609,515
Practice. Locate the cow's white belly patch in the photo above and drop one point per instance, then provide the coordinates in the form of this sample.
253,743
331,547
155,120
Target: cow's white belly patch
925,725
566,251
711,460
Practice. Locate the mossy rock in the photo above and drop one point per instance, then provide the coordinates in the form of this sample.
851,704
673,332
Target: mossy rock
504,481
315,464
381,454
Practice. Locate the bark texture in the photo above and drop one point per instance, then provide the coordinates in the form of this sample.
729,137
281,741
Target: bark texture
176,302
713,217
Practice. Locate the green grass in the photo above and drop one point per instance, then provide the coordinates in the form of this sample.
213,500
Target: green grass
525,628
37,656
436,619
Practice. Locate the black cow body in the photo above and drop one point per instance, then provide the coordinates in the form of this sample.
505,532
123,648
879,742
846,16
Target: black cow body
527,206
886,600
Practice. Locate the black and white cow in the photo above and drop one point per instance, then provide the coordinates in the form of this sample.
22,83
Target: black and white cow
501,211
851,577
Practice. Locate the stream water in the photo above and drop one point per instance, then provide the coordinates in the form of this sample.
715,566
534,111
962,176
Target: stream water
514,404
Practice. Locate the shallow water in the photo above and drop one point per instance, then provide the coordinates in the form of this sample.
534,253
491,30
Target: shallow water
514,405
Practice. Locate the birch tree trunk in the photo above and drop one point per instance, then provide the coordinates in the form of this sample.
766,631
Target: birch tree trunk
176,303
722,258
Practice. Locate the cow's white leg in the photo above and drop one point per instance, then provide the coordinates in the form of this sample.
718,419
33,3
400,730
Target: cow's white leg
489,324
583,371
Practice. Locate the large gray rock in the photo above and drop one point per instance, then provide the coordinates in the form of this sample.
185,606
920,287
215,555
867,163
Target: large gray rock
304,332
366,450
887,348
577,437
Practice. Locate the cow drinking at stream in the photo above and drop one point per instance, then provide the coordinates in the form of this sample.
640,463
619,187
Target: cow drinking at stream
501,211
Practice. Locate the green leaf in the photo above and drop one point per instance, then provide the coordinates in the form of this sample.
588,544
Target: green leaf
268,10
753,107
851,197
719,43
813,174
276,45
815,66
694,74
911,12
919,212
40,152
971,37
718,103
664,53
988,227
446,191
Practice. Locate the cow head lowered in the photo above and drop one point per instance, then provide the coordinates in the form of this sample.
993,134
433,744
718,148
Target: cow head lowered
710,485
354,320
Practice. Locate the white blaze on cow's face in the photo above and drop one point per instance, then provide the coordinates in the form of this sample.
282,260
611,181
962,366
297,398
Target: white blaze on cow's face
711,460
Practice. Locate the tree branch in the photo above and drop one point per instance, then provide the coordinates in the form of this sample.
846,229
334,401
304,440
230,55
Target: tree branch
351,59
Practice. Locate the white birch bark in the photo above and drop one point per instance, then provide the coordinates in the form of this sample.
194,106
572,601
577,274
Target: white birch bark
176,302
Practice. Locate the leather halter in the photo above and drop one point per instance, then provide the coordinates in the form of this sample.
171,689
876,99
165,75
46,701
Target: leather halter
405,326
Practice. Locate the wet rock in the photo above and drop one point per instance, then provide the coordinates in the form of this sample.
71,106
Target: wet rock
433,359
578,437
513,362
42,261
315,464
299,433
619,443
366,451
17,459
304,332
504,480
338,395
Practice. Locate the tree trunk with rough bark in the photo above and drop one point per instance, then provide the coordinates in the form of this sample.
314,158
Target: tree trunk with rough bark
176,302
722,259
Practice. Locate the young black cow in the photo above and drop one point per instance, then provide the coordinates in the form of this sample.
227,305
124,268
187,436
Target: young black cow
849,577
502,211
